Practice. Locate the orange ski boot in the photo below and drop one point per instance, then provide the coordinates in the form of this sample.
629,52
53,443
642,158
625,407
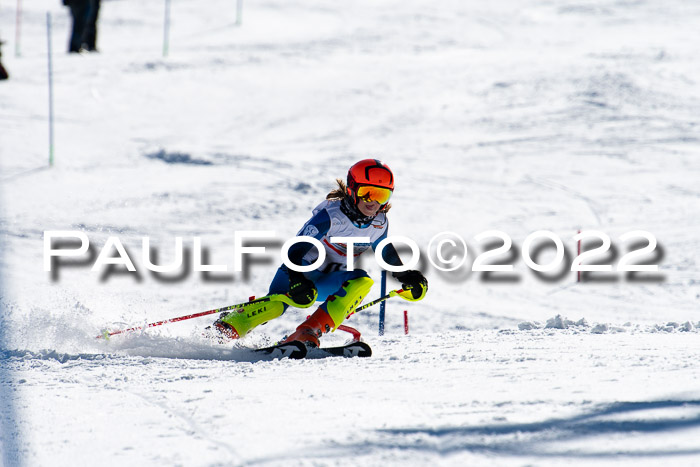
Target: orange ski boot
316,325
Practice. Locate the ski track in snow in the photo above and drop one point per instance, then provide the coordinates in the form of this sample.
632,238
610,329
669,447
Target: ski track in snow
517,116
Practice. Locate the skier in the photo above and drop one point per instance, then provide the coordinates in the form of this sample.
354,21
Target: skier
357,209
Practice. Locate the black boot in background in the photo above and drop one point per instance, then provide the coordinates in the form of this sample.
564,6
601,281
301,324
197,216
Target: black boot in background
3,71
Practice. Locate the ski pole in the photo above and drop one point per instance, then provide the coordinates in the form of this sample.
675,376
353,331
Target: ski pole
393,293
269,298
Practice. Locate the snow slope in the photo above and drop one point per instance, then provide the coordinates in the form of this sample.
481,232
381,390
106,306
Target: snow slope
516,116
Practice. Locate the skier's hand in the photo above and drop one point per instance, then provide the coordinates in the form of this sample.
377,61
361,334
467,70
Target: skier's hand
301,289
412,282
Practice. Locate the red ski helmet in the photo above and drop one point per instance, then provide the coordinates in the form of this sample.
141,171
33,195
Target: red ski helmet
370,180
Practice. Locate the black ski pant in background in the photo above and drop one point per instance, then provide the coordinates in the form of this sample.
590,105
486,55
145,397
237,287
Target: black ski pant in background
84,32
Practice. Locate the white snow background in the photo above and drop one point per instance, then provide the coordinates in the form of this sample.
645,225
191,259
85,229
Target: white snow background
511,115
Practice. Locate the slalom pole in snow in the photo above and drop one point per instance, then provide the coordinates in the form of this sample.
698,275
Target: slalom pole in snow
48,39
239,12
166,29
18,26
578,277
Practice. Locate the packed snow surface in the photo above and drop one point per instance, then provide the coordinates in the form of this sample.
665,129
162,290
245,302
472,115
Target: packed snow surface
516,116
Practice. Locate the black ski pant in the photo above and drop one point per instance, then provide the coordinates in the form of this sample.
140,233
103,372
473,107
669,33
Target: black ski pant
84,31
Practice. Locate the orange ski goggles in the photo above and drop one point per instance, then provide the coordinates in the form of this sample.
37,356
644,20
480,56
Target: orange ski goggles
374,193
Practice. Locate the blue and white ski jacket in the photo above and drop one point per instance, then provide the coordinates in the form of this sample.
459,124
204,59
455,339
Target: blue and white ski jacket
329,221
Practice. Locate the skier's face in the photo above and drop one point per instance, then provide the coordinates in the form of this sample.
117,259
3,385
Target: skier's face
368,208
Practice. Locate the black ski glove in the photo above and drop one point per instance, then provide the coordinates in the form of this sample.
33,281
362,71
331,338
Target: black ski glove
413,281
301,289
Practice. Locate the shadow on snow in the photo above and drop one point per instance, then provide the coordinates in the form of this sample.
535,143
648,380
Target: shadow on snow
540,439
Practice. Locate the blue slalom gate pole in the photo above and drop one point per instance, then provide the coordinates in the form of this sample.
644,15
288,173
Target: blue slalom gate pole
382,306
